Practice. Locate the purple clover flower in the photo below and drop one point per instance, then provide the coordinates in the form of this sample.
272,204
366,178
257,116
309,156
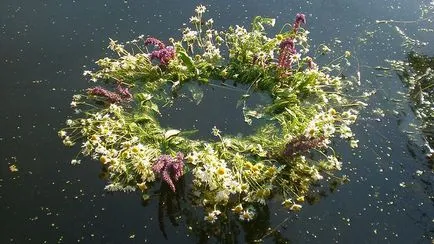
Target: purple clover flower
112,97
155,42
287,43
122,94
299,19
163,54
170,168
287,49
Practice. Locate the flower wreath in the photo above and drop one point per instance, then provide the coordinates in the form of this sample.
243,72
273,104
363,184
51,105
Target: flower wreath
118,124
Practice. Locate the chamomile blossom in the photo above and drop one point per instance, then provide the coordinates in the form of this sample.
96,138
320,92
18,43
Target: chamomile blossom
194,20
200,9
354,143
238,209
345,131
209,22
62,133
189,35
69,122
247,215
335,162
317,176
212,216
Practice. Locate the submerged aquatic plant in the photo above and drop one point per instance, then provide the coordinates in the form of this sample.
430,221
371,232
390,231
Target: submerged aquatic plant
307,109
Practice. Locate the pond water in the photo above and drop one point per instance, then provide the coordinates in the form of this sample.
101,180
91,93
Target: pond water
46,45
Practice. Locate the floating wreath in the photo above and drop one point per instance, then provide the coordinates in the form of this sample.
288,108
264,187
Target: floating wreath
118,123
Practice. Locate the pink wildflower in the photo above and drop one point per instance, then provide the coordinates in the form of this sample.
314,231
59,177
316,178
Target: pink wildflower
170,169
299,19
155,42
163,54
287,49
112,97
120,95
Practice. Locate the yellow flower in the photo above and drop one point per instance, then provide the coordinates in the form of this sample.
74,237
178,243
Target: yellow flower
300,199
247,215
255,168
332,111
238,209
104,160
142,186
13,168
200,9
135,149
248,165
287,203
244,187
221,171
271,170
259,166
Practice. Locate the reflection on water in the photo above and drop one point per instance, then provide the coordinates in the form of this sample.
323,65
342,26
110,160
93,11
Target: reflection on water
43,48
419,77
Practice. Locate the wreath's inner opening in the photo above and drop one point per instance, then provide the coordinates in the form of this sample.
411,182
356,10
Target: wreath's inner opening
201,107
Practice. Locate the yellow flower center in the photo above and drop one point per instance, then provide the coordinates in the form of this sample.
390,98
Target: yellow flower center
221,171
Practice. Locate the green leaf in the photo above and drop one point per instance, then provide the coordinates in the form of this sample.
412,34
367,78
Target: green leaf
143,97
258,23
186,133
291,112
154,107
188,61
170,133
132,126
143,119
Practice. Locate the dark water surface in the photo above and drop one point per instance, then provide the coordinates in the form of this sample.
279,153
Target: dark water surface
44,47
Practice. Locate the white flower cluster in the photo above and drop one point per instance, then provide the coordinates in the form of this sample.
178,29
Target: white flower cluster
109,142
212,174
327,123
189,35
